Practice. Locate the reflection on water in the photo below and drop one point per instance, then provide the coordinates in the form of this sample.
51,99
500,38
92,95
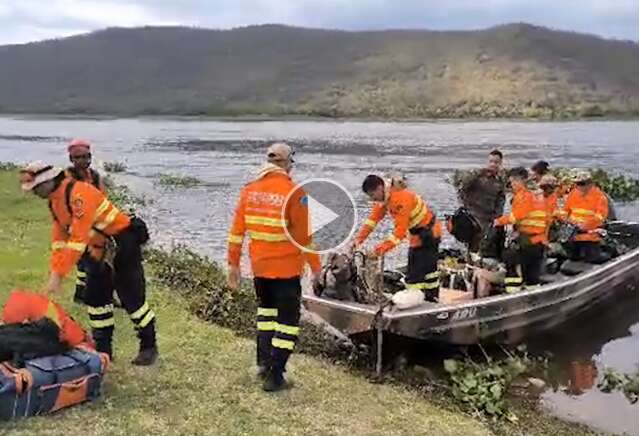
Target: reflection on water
225,155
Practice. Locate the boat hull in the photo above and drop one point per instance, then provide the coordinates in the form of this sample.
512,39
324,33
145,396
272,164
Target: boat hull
503,319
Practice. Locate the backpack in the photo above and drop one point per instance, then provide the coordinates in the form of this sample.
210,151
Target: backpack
463,225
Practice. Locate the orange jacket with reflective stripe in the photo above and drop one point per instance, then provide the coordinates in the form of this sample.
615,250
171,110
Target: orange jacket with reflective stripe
27,306
263,213
529,213
589,211
408,211
92,216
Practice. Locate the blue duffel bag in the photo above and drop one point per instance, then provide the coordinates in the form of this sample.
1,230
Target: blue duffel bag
47,384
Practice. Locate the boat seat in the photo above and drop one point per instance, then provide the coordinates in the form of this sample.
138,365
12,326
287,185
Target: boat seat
573,267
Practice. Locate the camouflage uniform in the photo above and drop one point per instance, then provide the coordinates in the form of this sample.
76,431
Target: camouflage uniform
484,195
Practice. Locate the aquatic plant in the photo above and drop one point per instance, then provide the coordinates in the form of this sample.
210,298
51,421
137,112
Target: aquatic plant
625,383
114,167
170,180
482,386
123,198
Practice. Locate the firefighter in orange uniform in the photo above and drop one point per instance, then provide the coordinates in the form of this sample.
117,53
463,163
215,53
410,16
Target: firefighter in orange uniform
80,156
26,306
263,213
84,220
587,207
411,215
529,215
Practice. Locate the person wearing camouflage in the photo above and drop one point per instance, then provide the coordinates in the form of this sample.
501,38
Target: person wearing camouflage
483,193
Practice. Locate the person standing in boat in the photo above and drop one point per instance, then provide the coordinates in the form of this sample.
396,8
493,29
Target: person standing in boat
483,193
587,207
411,215
529,216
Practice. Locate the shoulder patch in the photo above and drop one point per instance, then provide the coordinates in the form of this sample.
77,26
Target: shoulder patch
78,207
304,200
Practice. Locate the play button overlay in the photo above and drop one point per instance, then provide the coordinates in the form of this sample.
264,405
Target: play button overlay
331,212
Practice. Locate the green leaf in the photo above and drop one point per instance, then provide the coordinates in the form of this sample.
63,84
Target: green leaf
451,366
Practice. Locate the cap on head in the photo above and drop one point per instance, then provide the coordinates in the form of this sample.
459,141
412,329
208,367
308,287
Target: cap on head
582,177
79,147
35,173
548,180
280,153
541,167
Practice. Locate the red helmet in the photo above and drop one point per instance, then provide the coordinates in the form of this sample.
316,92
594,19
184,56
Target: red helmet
79,146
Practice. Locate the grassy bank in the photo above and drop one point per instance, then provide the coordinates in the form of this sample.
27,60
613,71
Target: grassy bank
203,384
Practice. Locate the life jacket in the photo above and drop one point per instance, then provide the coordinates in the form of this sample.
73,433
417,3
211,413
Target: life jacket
27,306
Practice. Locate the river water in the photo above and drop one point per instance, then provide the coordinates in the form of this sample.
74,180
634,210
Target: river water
224,155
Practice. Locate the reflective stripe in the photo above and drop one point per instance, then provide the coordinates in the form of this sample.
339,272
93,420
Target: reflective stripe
582,211
417,286
140,312
418,213
108,220
77,246
394,240
266,326
58,245
431,285
533,223
102,310
101,323
517,280
268,237
81,274
287,329
513,289
265,221
537,214
102,208
433,275
53,315
370,223
283,343
263,311
79,282
236,239
147,319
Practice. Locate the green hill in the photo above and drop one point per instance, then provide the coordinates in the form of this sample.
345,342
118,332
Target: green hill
510,70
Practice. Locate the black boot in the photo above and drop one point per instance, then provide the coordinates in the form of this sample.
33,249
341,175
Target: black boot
148,353
104,341
275,382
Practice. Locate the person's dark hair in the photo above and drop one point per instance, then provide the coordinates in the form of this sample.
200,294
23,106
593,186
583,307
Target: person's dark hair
371,183
497,153
518,173
541,167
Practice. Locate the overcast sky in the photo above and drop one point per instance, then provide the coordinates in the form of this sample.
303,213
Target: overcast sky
30,20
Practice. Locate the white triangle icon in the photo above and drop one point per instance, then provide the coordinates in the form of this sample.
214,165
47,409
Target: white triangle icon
319,215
